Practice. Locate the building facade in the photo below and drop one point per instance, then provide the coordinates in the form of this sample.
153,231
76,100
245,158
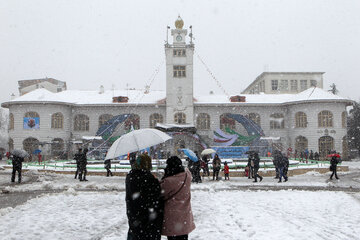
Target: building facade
287,117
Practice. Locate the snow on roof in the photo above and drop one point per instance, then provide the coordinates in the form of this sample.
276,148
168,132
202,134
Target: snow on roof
139,97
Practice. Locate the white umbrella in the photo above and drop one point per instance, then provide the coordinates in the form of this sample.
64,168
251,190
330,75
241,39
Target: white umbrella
208,151
135,141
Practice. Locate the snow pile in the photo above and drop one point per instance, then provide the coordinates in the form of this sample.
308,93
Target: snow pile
230,215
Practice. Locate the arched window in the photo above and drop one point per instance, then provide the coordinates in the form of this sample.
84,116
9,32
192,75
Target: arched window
57,147
57,120
300,120
11,121
11,144
345,148
180,118
301,143
134,121
276,121
325,119
81,122
32,115
203,121
254,117
155,118
326,145
104,118
226,122
30,144
343,119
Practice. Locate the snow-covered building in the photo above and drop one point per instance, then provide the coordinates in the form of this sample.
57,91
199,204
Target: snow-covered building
312,119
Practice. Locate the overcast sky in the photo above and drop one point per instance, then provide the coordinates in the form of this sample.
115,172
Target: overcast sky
89,43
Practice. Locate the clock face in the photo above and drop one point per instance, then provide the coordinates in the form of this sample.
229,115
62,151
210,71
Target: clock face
178,38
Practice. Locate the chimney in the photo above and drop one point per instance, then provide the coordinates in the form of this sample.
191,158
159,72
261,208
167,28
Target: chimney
101,91
12,96
237,98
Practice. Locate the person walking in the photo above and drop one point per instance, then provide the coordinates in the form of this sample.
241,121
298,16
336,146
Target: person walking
144,204
286,167
281,166
226,171
82,166
250,166
333,164
77,158
17,167
107,166
256,160
216,167
277,156
178,218
205,166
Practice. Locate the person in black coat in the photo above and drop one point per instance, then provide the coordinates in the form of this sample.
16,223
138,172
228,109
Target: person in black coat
77,158
277,156
286,167
204,165
333,164
17,167
281,167
107,166
144,205
250,166
82,166
256,159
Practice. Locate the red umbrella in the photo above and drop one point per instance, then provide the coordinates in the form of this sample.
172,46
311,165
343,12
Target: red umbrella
334,155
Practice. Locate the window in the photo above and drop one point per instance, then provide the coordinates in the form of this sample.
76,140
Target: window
180,118
11,144
284,85
81,122
31,120
274,85
300,120
179,52
32,115
179,71
303,85
343,119
155,118
104,118
11,121
325,119
57,147
226,122
254,117
326,145
203,121
57,120
132,122
301,143
313,83
30,145
294,85
276,121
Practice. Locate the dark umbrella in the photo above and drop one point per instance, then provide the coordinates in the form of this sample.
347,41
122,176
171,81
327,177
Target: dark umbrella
19,153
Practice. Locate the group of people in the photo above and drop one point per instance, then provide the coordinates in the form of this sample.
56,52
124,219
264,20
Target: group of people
253,166
281,163
158,207
81,162
203,164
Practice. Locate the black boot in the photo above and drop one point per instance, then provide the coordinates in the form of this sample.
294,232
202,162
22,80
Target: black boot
261,178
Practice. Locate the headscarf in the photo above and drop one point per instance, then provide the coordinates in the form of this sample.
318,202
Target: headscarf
143,162
173,166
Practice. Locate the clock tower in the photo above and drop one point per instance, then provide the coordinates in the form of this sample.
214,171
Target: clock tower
179,77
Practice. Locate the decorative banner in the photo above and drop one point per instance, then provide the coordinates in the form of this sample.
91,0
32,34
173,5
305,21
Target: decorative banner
31,123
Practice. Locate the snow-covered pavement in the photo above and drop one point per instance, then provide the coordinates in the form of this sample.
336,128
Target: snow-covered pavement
222,210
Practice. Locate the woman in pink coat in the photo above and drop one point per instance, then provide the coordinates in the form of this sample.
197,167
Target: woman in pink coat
175,185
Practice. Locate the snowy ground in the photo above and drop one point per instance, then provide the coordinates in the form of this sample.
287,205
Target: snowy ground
222,210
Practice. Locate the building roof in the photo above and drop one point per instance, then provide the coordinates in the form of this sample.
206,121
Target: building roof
26,83
155,97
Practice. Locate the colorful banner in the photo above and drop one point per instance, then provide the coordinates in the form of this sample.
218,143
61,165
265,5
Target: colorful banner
31,123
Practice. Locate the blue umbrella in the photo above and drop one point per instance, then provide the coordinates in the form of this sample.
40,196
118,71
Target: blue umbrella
36,151
190,154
